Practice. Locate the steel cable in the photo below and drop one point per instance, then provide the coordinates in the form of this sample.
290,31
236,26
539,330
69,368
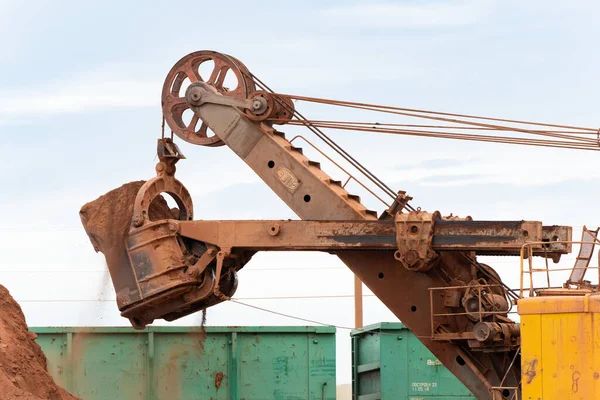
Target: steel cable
464,136
412,110
351,160
569,137
561,136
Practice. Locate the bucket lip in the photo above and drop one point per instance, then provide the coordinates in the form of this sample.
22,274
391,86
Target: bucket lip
378,327
182,329
589,303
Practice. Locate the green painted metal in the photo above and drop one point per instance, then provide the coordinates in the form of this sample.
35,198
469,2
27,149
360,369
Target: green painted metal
225,363
390,363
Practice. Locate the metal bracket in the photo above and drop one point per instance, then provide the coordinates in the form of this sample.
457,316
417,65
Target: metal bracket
221,256
164,182
167,149
414,236
168,154
200,266
197,94
398,205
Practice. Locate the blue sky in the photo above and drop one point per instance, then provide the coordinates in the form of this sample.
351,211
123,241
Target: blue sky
80,113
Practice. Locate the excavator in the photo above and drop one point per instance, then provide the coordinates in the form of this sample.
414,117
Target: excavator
421,264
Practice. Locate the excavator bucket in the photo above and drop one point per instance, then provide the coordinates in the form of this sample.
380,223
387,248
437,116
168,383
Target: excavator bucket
151,267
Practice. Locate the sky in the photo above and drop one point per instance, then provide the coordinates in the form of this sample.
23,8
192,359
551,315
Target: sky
80,115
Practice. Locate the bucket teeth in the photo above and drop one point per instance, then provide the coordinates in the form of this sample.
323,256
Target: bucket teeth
279,133
297,149
371,213
315,164
354,197
336,183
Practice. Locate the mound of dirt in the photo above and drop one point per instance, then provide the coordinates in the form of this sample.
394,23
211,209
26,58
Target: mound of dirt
23,373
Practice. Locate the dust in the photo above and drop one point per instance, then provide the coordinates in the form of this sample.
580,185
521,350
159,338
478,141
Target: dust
23,373
203,323
202,330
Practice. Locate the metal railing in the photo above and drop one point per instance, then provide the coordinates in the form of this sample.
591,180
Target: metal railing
527,253
350,176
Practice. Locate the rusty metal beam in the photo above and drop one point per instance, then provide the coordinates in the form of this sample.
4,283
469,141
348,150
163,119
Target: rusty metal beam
484,237
499,237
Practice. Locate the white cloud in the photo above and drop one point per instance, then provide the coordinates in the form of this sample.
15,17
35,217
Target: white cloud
513,171
76,96
418,15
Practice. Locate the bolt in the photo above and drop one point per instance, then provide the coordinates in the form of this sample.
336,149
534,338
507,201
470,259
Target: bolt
315,341
274,230
160,167
173,227
196,96
211,252
411,257
256,104
137,220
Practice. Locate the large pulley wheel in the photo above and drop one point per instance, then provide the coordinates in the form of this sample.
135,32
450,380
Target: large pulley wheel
226,74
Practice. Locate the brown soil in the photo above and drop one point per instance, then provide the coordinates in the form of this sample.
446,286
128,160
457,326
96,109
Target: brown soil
23,373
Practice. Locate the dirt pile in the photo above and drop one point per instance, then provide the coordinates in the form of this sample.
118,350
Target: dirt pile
23,373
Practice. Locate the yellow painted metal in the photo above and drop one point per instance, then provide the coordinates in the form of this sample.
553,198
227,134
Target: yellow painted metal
560,347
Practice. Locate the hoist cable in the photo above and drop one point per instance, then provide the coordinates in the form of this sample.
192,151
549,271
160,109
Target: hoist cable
472,123
464,136
332,144
499,128
412,110
372,177
567,139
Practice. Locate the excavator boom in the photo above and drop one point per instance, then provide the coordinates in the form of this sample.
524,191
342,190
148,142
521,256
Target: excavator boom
421,265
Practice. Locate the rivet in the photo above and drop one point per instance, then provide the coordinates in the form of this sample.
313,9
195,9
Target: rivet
138,220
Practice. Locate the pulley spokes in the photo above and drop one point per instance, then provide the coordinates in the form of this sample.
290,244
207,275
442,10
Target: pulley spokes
225,69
